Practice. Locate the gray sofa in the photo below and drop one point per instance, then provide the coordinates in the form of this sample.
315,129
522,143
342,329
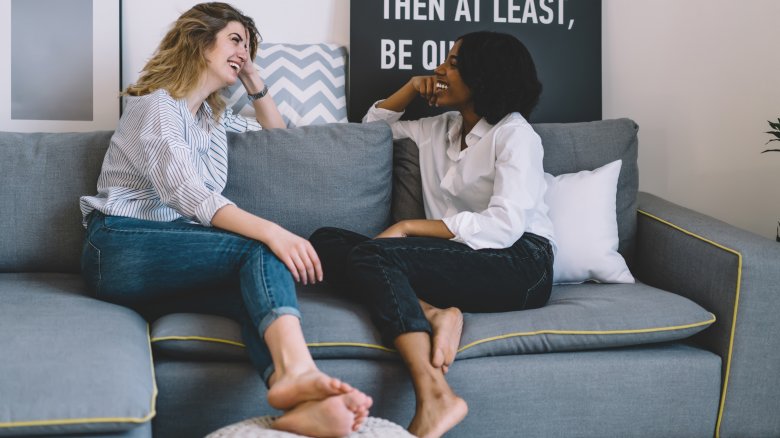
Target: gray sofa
690,350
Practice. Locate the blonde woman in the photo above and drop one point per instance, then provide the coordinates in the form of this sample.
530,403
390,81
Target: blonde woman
159,231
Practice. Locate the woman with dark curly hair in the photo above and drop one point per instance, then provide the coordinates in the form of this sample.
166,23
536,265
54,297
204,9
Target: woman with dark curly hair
487,242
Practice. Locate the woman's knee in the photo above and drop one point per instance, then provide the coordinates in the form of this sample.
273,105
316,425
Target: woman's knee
263,255
324,233
332,237
364,250
371,253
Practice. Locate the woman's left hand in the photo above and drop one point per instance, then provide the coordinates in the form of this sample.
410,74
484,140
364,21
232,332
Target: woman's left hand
396,230
266,112
248,71
418,228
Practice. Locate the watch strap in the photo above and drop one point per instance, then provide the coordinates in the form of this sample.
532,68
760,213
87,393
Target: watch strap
258,95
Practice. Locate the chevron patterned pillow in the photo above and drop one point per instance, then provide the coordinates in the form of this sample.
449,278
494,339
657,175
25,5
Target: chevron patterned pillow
307,82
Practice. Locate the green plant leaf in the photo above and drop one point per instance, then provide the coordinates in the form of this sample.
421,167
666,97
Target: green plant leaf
775,133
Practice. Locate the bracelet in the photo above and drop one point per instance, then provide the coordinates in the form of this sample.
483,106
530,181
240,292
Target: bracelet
260,95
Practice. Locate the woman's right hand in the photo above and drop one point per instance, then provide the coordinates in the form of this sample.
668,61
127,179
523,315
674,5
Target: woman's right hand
425,86
297,254
294,251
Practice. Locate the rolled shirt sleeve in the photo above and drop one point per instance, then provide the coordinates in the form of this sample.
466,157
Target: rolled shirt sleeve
171,171
238,123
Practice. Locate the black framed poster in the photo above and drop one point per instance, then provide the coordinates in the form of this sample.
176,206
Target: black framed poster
392,40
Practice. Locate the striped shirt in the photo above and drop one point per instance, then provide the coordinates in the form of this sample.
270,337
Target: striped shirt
163,163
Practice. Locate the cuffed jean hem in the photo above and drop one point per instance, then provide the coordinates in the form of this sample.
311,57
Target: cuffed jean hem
266,375
396,329
266,322
273,315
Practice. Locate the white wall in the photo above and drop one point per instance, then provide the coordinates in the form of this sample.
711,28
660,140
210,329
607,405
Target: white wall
699,76
145,22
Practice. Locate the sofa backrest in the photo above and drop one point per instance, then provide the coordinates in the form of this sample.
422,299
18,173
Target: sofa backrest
341,178
42,176
302,178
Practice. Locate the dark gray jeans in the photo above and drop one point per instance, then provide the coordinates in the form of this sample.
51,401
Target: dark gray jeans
389,275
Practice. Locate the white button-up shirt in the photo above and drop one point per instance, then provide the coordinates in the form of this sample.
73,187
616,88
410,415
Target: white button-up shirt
488,194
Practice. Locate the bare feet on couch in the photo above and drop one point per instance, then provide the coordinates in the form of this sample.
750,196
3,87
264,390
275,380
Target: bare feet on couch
335,416
295,387
447,327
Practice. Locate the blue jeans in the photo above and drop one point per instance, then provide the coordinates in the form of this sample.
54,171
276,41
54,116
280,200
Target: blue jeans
164,267
389,275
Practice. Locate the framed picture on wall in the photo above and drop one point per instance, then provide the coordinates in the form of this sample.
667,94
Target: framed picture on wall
392,40
59,65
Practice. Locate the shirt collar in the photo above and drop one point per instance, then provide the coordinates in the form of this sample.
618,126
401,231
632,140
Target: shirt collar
453,134
478,131
204,112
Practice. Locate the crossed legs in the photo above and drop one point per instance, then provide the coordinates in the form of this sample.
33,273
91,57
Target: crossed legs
438,408
146,265
447,327
427,337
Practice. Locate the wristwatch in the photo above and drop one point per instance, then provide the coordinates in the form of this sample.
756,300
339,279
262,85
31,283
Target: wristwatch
259,95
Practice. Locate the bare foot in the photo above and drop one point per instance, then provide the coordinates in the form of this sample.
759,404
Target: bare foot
359,405
447,327
291,389
437,415
332,417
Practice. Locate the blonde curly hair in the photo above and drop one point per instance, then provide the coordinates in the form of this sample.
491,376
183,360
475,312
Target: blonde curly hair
179,61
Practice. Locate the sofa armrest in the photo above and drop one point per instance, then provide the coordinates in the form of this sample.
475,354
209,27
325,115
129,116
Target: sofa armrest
735,275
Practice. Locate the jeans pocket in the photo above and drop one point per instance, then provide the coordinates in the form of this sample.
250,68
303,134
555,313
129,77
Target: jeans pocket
90,267
541,264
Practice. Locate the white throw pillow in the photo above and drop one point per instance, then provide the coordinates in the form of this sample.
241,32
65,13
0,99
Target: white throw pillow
582,210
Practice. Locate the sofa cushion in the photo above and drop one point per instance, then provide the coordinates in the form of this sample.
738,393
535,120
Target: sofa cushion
43,175
578,317
407,183
217,337
307,82
305,178
71,364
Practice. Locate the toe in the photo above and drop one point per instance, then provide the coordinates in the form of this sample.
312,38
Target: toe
438,358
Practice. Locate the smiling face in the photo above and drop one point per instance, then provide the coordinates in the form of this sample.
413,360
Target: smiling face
227,56
451,91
